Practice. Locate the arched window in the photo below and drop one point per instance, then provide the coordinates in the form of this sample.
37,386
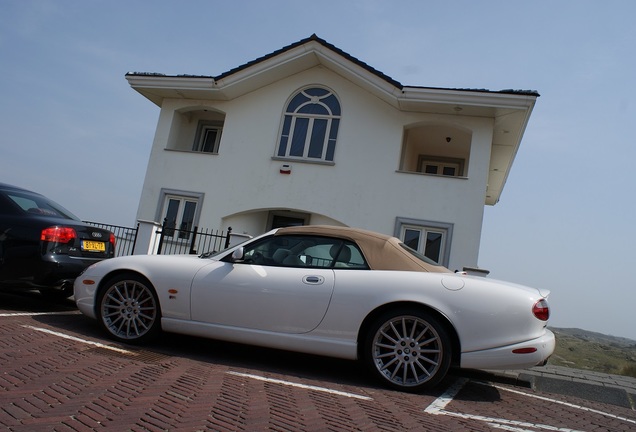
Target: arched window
310,126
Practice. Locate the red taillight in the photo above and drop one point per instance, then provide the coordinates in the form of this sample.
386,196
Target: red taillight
524,350
111,240
541,310
58,234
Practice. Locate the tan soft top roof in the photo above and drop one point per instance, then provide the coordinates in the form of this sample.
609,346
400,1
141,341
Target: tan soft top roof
382,252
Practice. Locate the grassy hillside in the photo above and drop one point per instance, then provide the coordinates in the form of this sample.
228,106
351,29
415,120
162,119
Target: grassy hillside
581,349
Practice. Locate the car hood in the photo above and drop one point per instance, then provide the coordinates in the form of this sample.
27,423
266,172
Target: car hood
149,262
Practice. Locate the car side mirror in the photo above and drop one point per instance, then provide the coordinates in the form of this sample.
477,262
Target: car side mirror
238,254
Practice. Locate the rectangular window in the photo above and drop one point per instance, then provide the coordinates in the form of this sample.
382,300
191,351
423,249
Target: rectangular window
441,166
433,245
208,137
431,239
426,241
299,137
317,141
281,219
284,137
411,238
309,138
210,140
179,216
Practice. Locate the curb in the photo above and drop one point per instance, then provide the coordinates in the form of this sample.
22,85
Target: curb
593,386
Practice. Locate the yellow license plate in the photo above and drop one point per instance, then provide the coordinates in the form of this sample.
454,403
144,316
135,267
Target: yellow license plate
93,246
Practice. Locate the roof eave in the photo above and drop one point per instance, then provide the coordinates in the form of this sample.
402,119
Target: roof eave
258,74
157,87
465,101
508,132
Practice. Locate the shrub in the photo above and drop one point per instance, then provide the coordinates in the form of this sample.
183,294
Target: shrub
629,370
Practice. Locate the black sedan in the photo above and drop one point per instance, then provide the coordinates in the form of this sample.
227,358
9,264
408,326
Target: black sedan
44,246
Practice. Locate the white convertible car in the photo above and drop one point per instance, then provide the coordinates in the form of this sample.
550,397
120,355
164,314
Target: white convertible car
330,291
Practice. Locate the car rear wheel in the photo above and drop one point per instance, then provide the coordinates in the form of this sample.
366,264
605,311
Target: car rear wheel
128,309
408,350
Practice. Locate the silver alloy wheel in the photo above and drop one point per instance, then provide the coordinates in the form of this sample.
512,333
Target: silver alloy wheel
407,351
129,309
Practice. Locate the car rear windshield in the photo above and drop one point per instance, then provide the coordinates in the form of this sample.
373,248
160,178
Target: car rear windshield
39,205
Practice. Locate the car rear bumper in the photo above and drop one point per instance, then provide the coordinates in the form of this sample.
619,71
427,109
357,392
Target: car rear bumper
50,271
530,353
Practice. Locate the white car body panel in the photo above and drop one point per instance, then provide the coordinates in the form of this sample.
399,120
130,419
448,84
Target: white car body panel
510,310
310,344
276,299
504,358
167,272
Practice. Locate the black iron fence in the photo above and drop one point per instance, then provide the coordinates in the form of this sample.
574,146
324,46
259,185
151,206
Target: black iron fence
196,241
169,241
125,237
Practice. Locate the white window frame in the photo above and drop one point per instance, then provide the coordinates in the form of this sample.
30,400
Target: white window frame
182,197
440,163
203,128
308,137
425,227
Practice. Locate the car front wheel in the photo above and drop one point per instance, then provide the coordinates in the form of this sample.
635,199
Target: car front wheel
408,350
128,309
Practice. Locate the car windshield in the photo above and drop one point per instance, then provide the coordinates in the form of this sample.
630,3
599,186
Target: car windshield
39,205
212,254
419,256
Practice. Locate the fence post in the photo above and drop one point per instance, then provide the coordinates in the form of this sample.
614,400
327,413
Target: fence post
163,230
227,238
132,250
194,239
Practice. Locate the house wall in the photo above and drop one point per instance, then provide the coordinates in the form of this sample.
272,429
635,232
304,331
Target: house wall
364,188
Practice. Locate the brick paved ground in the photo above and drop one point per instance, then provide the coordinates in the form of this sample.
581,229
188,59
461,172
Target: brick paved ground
57,384
50,382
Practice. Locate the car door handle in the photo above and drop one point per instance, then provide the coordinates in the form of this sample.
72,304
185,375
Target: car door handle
313,280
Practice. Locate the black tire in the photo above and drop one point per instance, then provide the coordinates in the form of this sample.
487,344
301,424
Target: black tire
128,309
408,350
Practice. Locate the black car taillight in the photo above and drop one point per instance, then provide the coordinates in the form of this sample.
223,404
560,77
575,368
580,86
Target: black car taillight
58,234
111,240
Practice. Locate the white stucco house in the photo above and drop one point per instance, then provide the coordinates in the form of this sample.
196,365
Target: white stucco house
311,135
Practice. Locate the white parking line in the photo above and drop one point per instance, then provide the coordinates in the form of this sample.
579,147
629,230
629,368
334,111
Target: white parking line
582,408
16,314
509,425
302,386
84,341
440,403
438,407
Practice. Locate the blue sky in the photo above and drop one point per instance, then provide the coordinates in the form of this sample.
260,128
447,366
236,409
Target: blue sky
72,128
